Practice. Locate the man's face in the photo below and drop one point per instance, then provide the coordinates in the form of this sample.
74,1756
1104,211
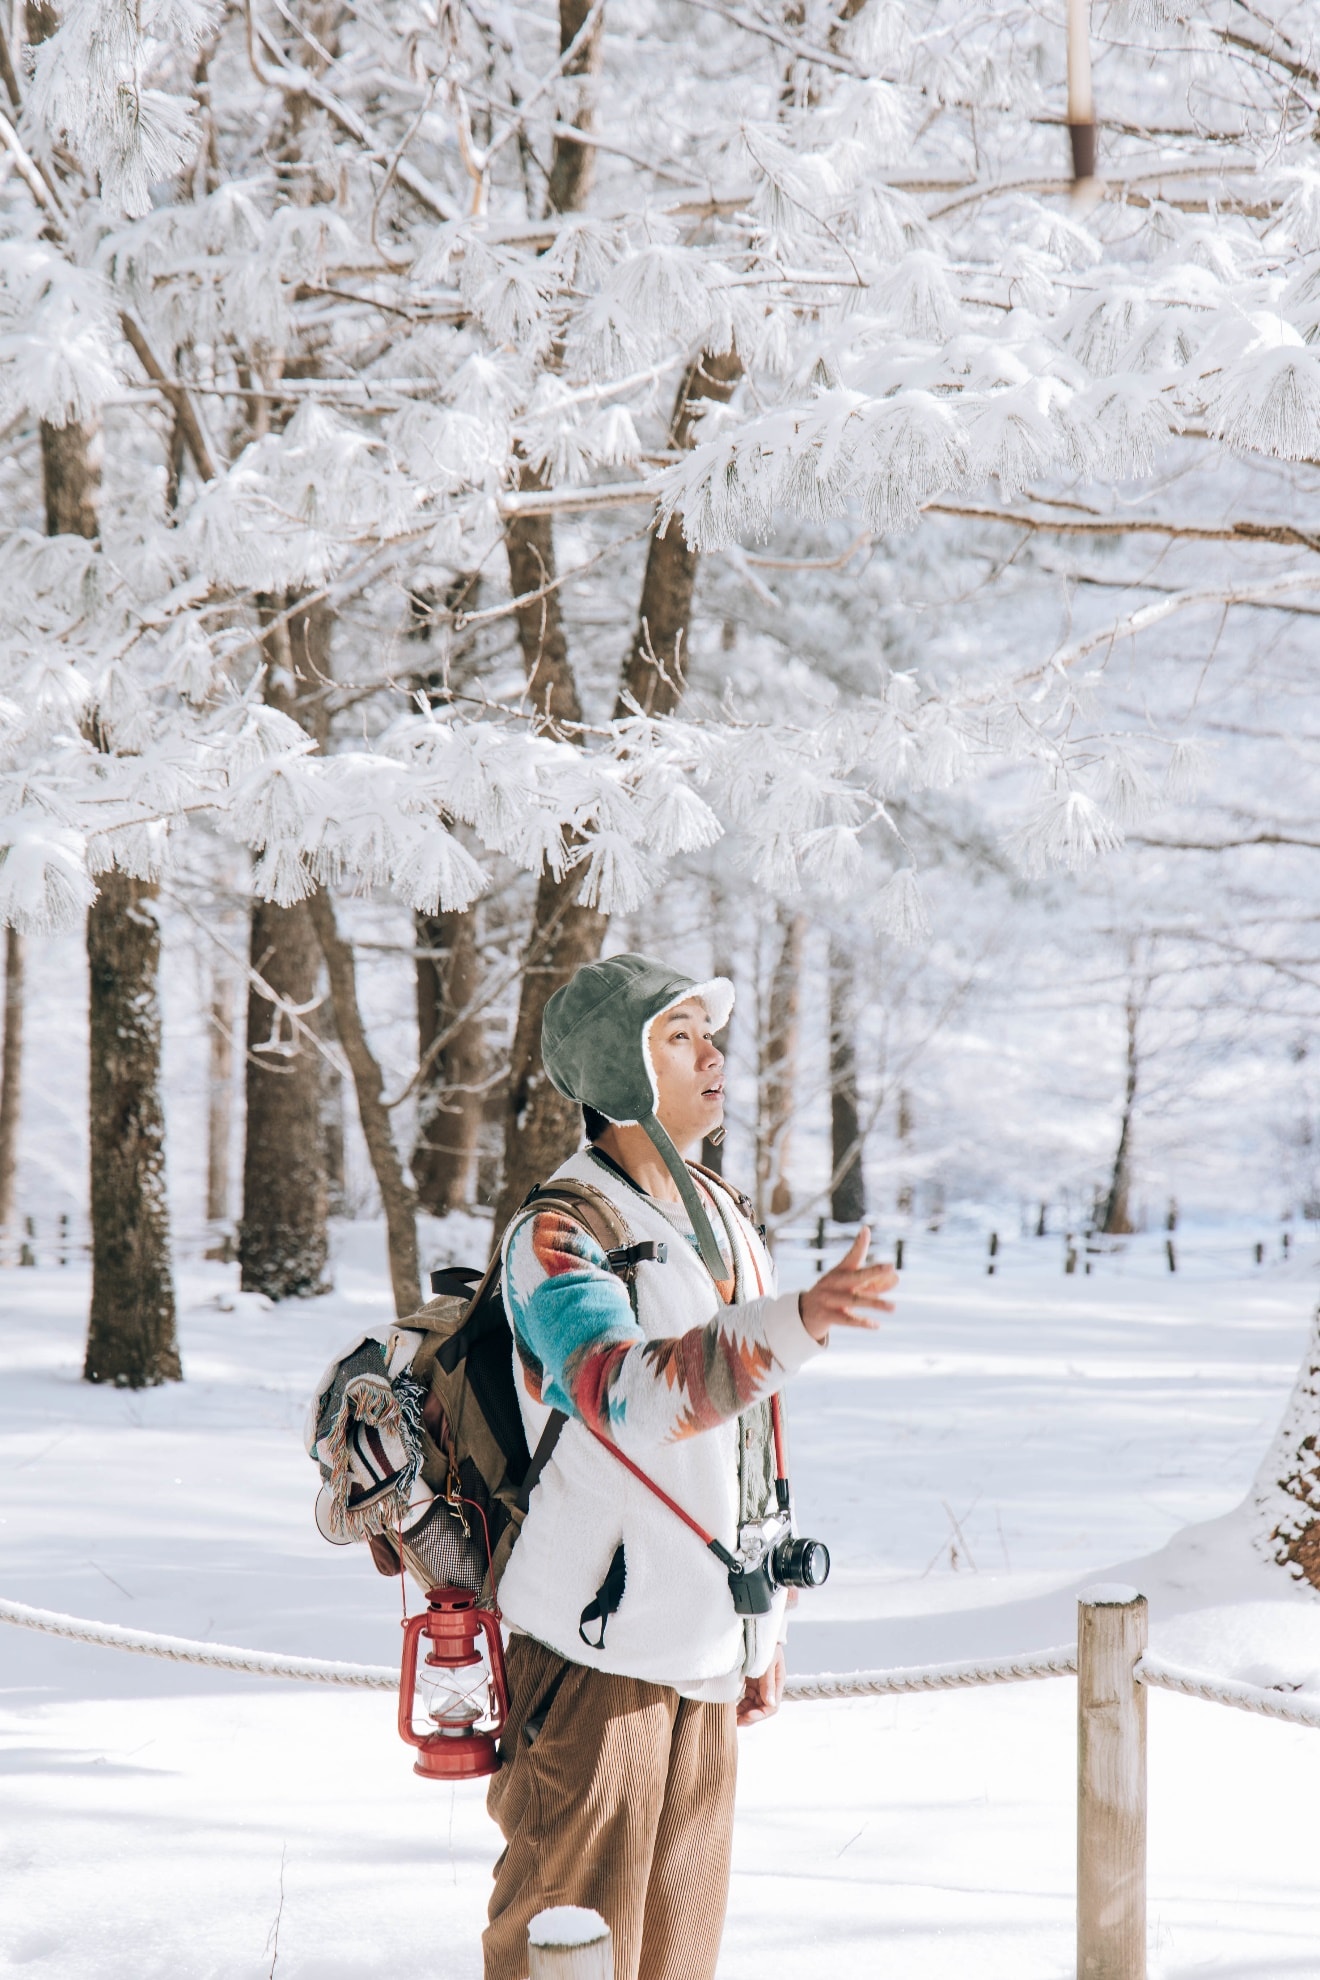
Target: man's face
689,1072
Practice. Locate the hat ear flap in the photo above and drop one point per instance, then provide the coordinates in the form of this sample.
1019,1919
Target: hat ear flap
711,1255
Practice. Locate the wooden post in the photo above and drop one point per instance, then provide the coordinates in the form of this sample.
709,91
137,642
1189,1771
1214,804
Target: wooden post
1081,103
1111,1786
11,1082
219,1112
570,1943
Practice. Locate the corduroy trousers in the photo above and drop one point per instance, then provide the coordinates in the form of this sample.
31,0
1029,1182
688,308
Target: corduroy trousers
623,1802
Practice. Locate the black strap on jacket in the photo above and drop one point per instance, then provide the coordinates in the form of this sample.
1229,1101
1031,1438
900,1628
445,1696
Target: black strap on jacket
605,1600
541,1456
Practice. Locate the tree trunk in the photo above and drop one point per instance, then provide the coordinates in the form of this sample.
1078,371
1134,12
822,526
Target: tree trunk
573,165
778,1070
131,1332
452,1094
449,1109
655,671
71,479
848,1195
131,1340
541,1127
332,1113
712,1152
1116,1220
396,1193
40,20
11,1085
283,1240
905,1123
220,1111
529,544
283,1244
1286,1494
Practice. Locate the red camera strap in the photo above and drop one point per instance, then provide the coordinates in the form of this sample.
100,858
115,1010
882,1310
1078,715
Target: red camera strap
781,1475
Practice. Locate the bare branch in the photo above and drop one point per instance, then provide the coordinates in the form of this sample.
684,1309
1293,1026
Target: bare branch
1225,845
1299,71
806,51
8,73
37,183
292,81
190,423
462,620
1150,615
1235,532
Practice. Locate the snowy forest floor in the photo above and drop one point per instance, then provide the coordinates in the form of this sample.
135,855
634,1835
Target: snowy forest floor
160,1821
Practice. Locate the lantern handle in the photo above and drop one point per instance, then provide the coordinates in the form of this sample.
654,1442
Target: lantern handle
412,1631
490,1625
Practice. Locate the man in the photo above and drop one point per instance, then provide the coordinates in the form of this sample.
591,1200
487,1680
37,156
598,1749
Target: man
629,1668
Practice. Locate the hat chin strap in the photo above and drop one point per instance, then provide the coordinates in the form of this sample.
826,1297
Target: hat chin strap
711,1256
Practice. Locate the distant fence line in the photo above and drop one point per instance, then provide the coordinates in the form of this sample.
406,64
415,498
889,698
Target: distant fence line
1083,1246
1111,1660
65,1239
60,1243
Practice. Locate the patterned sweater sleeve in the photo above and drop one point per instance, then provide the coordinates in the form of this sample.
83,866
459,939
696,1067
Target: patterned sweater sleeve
582,1351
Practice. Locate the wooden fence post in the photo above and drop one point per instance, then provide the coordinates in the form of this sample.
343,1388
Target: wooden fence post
570,1943
1111,1786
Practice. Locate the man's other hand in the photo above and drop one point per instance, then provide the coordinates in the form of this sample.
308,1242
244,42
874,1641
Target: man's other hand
761,1696
848,1295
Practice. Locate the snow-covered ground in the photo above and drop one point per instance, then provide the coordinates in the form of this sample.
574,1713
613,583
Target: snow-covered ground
1041,1430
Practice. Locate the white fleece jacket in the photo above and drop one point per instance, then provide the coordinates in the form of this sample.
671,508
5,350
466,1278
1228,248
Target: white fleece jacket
676,1623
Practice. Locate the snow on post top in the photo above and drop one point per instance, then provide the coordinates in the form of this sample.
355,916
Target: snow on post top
566,1925
1109,1595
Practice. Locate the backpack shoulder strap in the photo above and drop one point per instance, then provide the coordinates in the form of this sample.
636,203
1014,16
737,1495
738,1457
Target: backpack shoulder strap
588,1204
601,1219
722,1184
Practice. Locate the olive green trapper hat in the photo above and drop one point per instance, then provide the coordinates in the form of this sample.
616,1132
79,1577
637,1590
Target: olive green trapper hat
594,1046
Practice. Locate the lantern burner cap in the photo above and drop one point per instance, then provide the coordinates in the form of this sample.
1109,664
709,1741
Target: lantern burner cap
450,1600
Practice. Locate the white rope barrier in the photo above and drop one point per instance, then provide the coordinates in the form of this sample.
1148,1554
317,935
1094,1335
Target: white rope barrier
1270,1703
316,1670
1061,1662
935,1677
184,1650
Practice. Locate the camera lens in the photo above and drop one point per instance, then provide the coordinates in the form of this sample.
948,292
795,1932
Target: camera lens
801,1563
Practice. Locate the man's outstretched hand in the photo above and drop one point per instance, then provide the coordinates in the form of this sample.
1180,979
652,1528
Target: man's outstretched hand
761,1696
849,1294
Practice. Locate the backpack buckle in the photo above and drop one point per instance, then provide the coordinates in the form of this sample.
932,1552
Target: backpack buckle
627,1257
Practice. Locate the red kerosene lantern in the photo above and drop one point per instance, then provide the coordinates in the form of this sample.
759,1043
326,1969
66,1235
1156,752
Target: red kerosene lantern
466,1694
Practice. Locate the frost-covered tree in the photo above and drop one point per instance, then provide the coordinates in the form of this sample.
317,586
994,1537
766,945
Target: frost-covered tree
1286,1497
367,300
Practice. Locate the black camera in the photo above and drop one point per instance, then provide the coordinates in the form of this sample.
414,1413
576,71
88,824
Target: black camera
785,1562
801,1563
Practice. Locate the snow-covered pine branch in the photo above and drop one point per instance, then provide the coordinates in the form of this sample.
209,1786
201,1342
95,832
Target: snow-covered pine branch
378,364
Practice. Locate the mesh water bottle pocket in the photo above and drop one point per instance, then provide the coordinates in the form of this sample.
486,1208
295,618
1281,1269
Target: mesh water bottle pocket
439,1554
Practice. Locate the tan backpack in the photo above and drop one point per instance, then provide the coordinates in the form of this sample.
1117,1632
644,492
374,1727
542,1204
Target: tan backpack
420,1438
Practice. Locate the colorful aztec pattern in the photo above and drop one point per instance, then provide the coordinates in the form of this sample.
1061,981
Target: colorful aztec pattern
582,1351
